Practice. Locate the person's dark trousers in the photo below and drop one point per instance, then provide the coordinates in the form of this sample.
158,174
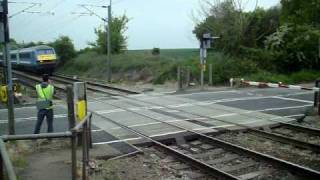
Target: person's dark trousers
48,113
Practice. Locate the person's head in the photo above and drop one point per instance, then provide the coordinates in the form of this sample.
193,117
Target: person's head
45,78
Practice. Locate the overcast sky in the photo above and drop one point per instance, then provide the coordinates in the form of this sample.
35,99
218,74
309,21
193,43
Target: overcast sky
153,23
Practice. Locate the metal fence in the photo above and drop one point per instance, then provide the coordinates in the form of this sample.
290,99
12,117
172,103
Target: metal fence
83,129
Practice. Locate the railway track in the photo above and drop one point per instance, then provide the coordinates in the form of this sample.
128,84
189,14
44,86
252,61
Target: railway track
260,133
95,86
224,160
60,83
284,132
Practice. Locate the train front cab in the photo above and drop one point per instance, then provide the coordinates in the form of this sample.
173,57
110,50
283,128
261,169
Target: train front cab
46,60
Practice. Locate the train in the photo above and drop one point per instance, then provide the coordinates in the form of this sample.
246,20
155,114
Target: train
39,59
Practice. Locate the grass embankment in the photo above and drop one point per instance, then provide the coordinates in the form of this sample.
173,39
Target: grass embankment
137,65
141,65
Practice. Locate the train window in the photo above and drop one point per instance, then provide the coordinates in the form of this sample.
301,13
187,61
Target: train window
13,56
25,55
45,51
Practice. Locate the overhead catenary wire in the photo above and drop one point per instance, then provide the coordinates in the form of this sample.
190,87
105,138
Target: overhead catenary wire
31,5
49,7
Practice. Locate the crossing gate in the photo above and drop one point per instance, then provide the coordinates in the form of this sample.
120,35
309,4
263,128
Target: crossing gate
277,85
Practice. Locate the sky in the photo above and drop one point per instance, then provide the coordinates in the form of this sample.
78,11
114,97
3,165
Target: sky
165,24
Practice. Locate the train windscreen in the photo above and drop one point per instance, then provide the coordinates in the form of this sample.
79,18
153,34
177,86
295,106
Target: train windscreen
45,51
45,55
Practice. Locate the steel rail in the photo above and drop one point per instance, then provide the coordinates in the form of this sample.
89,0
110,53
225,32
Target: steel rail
269,135
310,130
188,159
294,168
98,84
89,87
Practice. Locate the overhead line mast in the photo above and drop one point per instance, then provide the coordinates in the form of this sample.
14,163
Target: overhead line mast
108,32
5,40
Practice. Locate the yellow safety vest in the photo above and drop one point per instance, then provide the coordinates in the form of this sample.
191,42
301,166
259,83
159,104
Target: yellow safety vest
45,93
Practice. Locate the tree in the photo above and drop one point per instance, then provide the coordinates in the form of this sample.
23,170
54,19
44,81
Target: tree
64,48
118,38
155,51
237,29
301,12
261,23
224,20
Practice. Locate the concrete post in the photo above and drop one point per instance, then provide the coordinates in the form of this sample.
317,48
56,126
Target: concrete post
188,76
72,124
74,155
316,95
179,80
202,64
1,168
109,34
210,75
84,152
318,102
70,102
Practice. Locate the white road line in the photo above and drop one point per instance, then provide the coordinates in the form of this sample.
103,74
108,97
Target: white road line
176,132
217,116
117,141
203,103
31,118
129,139
30,107
180,105
168,133
172,111
215,92
111,111
213,127
293,99
283,108
290,116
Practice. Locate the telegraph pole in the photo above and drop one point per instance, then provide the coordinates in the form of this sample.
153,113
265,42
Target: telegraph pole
5,40
109,34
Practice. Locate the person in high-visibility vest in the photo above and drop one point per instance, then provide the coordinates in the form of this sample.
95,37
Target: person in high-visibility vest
45,93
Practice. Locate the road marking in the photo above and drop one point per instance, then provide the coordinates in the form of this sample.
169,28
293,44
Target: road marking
213,127
203,103
214,92
29,107
283,108
172,111
293,99
168,133
31,118
117,141
110,111
222,115
180,105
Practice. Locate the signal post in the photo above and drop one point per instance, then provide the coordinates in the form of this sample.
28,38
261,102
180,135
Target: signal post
5,41
205,43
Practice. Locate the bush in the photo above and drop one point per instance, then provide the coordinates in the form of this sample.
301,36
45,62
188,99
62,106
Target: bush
296,48
155,51
262,57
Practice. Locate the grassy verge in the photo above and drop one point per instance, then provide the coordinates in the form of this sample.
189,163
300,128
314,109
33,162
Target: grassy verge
141,65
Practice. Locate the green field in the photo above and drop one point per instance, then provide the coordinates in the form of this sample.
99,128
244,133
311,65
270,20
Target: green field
141,65
177,54
132,65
